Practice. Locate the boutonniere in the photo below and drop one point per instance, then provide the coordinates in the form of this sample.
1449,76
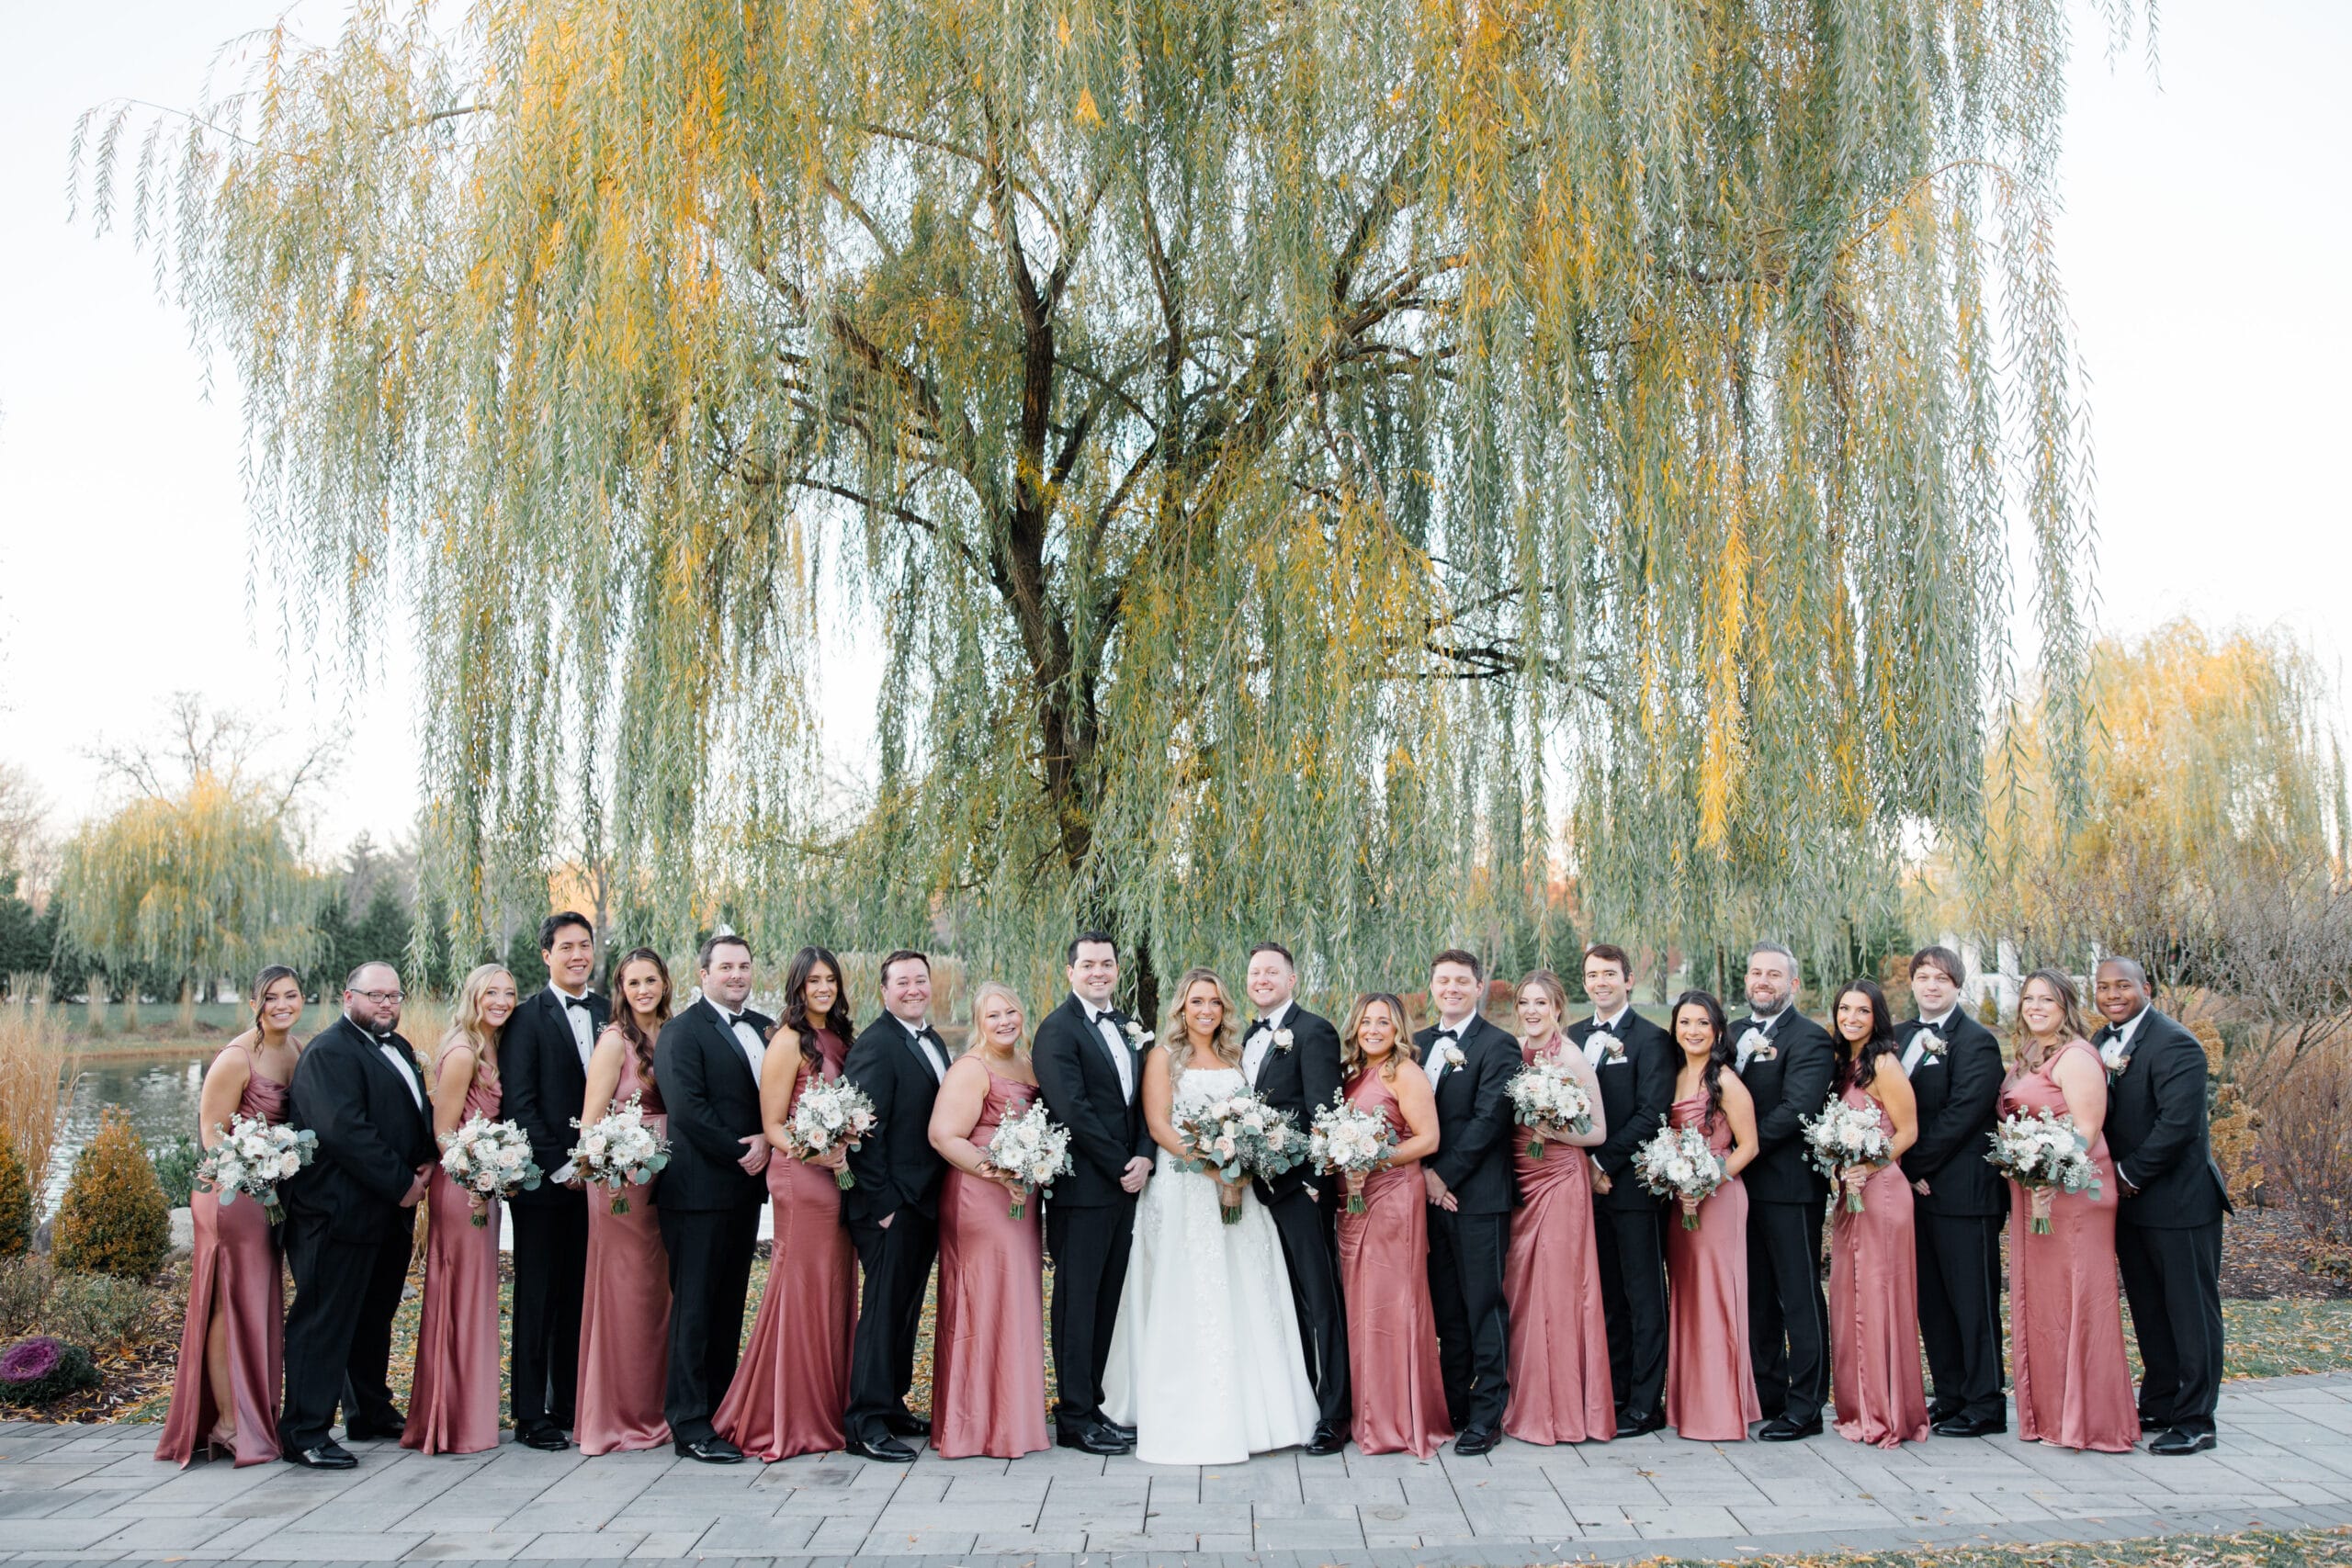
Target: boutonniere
1754,1046
1137,1035
2120,1066
1614,1050
1935,1047
1282,1040
1450,1055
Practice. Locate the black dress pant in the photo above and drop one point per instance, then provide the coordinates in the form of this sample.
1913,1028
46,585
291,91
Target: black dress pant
339,1329
711,1272
2173,1280
1788,1317
1629,1245
551,1281
1311,1255
896,1262
1959,1313
1090,1247
1466,1252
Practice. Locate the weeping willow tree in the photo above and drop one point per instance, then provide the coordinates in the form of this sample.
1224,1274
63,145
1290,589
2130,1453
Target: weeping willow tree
1287,462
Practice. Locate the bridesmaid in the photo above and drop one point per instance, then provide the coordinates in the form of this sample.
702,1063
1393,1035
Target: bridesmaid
989,1369
792,1382
1560,1390
1710,1379
2066,1319
1398,1392
225,1393
624,1317
453,1402
1878,1394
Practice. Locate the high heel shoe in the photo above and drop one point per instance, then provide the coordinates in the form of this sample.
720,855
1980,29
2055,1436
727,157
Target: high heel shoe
219,1444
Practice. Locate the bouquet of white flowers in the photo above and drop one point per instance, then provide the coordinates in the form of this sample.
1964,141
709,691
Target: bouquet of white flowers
1351,1140
1544,1094
832,1114
1844,1137
1031,1147
251,1157
488,1159
619,1150
2045,1154
1239,1136
1676,1163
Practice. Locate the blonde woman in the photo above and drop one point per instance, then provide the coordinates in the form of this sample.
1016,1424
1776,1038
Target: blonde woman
1206,1357
453,1404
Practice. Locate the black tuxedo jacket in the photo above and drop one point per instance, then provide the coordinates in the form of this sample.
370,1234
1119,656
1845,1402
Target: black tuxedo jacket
545,1084
2158,1131
1474,1118
1301,1081
1080,1088
713,1100
372,1134
1960,1101
1636,1092
1787,1087
896,1167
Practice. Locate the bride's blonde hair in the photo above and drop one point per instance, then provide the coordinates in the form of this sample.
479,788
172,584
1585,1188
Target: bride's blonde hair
1178,1039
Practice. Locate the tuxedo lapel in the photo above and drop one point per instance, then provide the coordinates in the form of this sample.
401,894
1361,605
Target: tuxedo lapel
406,1104
731,1047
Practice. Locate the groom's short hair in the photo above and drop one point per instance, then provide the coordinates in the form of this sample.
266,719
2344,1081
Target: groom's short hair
1277,948
1468,960
1089,939
712,944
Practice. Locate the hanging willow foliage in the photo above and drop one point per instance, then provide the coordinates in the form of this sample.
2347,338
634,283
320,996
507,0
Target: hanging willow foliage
1289,459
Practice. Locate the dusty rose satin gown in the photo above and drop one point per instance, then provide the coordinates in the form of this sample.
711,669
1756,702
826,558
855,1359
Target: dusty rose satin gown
792,1382
1398,1392
625,1315
989,1374
2067,1363
237,1265
1875,1382
1710,1379
453,1404
1560,1391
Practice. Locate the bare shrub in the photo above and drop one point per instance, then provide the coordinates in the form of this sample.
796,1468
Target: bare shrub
38,1066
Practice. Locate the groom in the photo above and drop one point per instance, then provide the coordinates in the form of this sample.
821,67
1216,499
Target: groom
1089,1074
1291,1058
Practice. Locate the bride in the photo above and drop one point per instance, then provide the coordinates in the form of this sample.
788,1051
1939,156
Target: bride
1206,1359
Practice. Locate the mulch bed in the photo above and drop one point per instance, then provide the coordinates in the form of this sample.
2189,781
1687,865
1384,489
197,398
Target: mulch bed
2254,1548
2266,1255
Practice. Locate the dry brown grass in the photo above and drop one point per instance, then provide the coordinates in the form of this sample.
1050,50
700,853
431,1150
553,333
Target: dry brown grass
38,1066
2304,1099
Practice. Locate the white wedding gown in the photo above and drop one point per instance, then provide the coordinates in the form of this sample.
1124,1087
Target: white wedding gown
1206,1359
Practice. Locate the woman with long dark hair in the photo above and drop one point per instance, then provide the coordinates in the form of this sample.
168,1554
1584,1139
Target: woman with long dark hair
1877,1390
792,1384
625,1315
1709,1377
231,1349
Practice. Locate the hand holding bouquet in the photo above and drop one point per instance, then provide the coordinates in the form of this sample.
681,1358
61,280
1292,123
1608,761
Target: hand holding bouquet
1351,1140
1032,1148
1240,1136
251,1157
832,1114
1544,1095
620,1150
1676,1163
488,1159
1844,1139
2045,1154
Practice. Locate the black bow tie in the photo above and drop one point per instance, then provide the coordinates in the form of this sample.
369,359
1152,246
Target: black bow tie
1929,1029
579,1002
1452,1034
1099,1019
928,1033
1601,1027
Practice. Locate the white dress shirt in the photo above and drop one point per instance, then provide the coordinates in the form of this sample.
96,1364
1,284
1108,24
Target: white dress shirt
1917,1050
1749,1040
756,1050
1596,1044
404,1064
1439,1065
1112,1041
2119,1044
580,1022
1261,1040
932,1056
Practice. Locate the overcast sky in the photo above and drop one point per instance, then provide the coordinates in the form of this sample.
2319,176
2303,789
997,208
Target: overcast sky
2204,245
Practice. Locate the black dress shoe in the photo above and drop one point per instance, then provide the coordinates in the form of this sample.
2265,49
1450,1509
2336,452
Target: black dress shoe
1327,1440
1122,1431
2180,1441
362,1432
1630,1425
1096,1439
710,1451
1475,1440
1784,1430
1970,1427
329,1455
884,1450
546,1440
907,1425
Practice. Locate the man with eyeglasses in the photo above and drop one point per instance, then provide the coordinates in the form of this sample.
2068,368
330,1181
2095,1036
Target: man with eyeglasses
350,1219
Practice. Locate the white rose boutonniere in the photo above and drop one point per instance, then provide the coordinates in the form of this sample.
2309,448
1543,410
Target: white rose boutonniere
1936,1047
1450,1055
1282,1040
1137,1035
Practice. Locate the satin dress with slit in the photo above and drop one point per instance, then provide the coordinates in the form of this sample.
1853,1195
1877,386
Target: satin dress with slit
989,1369
1393,1378
625,1314
1560,1388
453,1402
1709,1377
1877,1392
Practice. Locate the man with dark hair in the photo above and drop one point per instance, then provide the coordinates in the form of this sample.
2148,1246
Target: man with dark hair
2168,1214
1635,1063
543,1063
893,1211
1089,1074
1291,1057
350,1220
1955,1068
707,1062
1786,1061
1471,1189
